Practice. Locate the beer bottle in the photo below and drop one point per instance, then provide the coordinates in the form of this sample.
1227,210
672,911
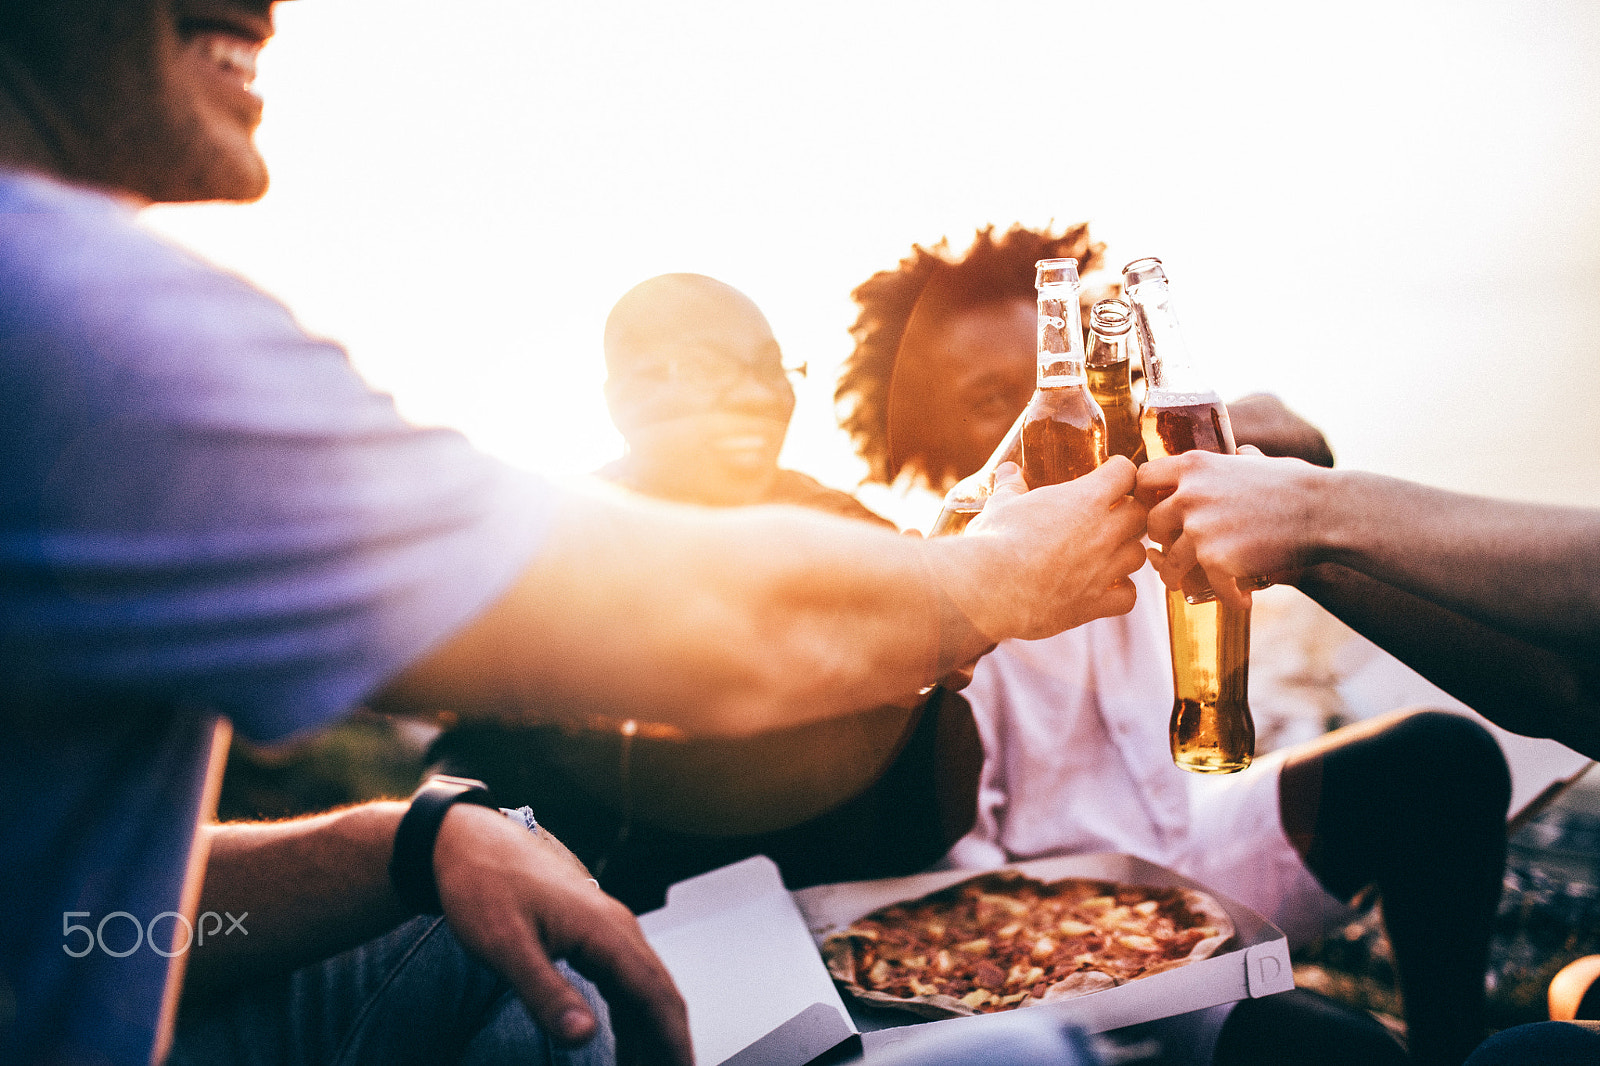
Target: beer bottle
966,497
1108,364
1211,730
1063,428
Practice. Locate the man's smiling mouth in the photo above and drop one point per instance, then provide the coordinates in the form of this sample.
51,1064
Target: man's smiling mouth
231,53
230,45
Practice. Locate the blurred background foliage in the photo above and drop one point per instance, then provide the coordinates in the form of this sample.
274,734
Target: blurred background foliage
366,756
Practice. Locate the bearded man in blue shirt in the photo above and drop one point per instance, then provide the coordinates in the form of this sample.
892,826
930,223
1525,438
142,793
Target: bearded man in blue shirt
208,521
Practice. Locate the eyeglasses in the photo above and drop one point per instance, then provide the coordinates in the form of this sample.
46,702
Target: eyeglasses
715,376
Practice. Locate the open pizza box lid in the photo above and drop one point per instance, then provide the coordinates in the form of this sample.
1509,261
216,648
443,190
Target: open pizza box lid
744,953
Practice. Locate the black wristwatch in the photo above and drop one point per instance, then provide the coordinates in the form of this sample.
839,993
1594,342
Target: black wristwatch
411,864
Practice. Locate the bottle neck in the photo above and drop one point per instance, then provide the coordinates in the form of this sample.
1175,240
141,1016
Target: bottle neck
1060,337
1110,322
971,491
1167,364
1106,351
1008,450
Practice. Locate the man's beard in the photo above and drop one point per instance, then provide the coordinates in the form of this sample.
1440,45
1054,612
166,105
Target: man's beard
99,81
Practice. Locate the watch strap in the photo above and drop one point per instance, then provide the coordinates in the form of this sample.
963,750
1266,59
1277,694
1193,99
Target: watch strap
411,864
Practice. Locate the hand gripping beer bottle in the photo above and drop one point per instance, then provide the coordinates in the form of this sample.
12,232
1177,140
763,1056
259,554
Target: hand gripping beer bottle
1063,428
1108,365
967,496
1212,731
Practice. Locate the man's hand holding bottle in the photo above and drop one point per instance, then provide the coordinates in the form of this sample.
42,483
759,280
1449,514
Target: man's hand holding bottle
1231,515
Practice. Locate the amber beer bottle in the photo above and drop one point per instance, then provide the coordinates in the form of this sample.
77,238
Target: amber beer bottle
1063,428
1108,365
966,497
1212,731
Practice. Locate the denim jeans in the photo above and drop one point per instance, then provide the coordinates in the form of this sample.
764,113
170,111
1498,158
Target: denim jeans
413,995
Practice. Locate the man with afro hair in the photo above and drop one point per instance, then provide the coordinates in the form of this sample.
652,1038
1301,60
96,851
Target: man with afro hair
1074,726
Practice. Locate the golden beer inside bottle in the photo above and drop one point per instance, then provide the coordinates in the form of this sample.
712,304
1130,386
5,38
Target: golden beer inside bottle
1211,731
954,521
1063,435
1113,391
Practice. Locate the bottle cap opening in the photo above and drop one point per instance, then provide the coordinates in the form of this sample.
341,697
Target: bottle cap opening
1110,317
1055,272
1142,270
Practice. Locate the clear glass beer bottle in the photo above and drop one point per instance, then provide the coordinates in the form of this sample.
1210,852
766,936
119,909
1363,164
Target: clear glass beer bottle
1212,731
966,497
1063,428
1108,366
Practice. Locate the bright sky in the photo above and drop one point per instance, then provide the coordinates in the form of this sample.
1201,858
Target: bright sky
1385,212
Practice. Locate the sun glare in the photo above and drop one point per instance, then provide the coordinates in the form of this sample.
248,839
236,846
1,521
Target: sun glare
461,192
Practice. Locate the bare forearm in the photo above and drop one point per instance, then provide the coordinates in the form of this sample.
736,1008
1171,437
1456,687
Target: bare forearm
1496,602
311,887
1532,571
725,623
1529,570
315,886
1522,687
734,623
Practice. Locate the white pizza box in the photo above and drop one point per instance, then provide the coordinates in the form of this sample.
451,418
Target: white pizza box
744,952
738,947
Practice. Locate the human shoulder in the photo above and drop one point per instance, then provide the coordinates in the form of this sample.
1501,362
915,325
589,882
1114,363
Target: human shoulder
75,250
26,192
191,461
97,309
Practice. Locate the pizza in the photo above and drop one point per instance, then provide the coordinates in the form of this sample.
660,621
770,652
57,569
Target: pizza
1003,940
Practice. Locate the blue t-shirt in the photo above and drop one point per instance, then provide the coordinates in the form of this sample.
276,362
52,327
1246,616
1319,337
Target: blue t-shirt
203,511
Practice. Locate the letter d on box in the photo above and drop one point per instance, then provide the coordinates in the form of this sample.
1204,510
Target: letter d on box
1267,969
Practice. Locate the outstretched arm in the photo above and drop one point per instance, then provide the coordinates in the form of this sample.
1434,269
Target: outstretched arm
312,887
1529,570
1495,602
731,623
